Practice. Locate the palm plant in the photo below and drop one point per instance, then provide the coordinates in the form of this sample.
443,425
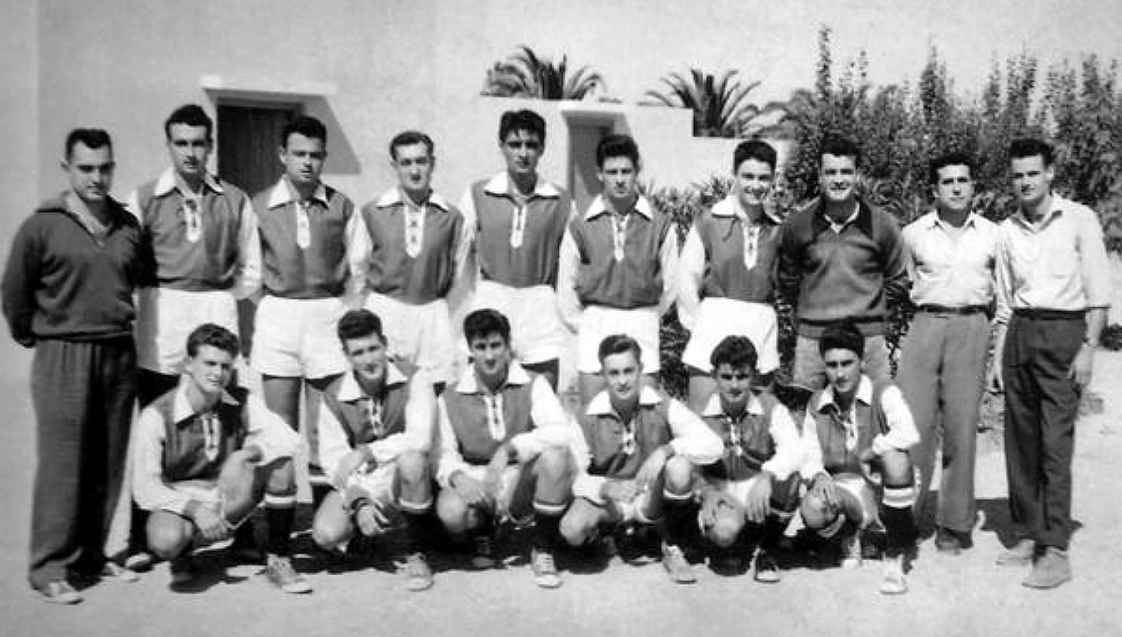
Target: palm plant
527,74
720,104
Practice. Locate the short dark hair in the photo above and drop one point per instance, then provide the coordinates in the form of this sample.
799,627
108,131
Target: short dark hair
736,351
754,149
481,323
408,138
305,125
842,335
89,137
1023,147
953,158
359,323
839,146
191,115
618,344
523,120
616,145
214,336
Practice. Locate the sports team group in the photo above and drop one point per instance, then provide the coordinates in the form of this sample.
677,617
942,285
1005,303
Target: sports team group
424,338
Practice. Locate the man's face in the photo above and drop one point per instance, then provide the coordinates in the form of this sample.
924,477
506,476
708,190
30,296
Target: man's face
838,177
623,373
733,385
954,189
490,355
303,159
1032,180
414,165
753,182
843,369
367,356
619,176
522,149
90,172
210,369
189,149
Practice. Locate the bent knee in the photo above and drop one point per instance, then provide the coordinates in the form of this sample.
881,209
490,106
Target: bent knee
897,468
332,524
413,467
726,529
816,515
455,514
554,463
678,475
168,534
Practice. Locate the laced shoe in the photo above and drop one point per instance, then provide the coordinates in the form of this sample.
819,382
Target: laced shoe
767,571
418,574
851,551
279,570
114,571
894,582
544,568
60,592
674,561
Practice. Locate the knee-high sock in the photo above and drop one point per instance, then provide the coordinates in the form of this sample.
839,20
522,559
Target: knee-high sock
678,517
899,519
422,528
280,511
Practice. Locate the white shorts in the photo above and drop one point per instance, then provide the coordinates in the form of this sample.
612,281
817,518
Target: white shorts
378,485
631,510
507,483
165,317
296,337
720,317
736,489
419,334
536,331
598,322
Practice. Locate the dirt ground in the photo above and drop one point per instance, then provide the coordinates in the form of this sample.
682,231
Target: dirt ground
950,596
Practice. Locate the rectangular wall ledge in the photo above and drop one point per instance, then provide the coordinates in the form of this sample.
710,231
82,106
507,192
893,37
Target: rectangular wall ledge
264,89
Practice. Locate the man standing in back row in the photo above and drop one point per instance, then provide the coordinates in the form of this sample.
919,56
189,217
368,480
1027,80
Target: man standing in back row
951,254
840,259
67,292
1053,291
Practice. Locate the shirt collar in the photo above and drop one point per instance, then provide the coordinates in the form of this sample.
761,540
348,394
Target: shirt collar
393,197
863,221
601,404
283,193
469,384
714,409
934,220
730,207
864,394
500,185
169,181
182,409
598,207
1057,209
350,390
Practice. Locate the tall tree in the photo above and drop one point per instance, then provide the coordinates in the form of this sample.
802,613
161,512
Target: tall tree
720,104
527,74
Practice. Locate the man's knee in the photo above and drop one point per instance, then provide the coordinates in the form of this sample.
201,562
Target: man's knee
332,524
553,465
413,468
168,534
579,523
897,468
726,528
678,476
815,512
455,514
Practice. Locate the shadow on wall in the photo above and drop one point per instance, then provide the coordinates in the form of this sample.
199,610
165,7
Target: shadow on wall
341,156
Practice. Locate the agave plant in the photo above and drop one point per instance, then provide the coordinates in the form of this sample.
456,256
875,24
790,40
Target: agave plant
527,74
720,104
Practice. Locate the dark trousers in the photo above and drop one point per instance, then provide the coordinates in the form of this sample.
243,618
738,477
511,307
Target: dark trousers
942,376
83,396
1041,403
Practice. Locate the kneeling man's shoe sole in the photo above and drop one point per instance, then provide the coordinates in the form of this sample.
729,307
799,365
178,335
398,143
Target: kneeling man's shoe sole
674,561
60,592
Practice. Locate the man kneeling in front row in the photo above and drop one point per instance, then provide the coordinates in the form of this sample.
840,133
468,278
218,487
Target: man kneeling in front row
749,496
638,466
504,449
206,455
376,426
857,433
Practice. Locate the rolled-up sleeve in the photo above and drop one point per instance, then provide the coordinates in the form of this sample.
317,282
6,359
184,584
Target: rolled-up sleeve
788,455
691,269
1003,281
248,278
811,449
149,489
1094,263
333,443
420,419
567,300
693,439
902,433
450,460
668,265
358,249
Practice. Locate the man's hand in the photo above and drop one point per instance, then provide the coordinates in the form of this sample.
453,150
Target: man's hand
1083,365
712,500
825,490
350,463
651,467
470,490
619,490
210,524
370,519
995,384
758,502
